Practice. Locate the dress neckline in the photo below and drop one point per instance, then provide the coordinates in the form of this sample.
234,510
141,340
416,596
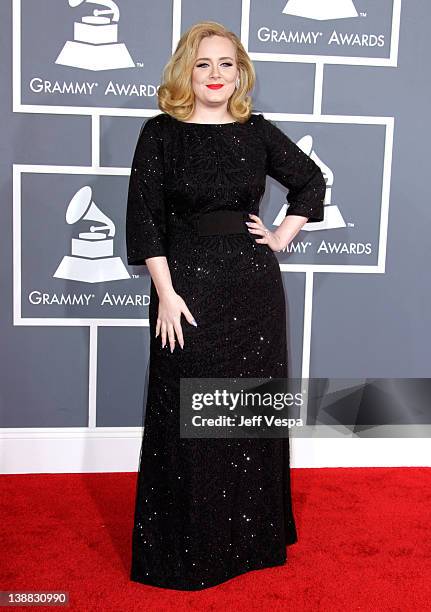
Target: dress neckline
209,124
197,123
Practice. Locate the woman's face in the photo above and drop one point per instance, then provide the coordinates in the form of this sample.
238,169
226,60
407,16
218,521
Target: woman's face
215,65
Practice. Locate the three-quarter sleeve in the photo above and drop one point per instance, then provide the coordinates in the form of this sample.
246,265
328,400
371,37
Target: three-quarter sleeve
146,213
289,165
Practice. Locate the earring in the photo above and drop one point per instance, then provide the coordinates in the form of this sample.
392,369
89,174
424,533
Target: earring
237,83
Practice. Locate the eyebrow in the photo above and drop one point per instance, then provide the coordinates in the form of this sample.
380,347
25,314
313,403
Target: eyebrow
208,58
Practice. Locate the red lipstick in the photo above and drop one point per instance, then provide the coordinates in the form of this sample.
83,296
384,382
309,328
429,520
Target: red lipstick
215,86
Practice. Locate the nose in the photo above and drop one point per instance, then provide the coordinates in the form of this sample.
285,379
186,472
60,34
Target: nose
215,72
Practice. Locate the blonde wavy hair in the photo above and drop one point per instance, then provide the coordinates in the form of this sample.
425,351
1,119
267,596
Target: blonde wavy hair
175,94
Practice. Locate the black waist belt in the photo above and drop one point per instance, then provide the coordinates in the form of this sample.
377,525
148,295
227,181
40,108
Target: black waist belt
222,222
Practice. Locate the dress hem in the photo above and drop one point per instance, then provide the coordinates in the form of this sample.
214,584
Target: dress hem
146,580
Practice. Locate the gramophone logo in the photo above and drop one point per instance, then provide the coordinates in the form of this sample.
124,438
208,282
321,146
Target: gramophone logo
95,43
92,259
323,11
333,219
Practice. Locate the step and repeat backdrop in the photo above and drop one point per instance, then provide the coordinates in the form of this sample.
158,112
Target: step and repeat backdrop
345,79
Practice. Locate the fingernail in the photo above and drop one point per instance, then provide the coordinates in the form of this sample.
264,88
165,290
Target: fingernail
171,349
194,322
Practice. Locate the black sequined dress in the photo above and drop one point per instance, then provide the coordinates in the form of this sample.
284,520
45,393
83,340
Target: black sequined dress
210,509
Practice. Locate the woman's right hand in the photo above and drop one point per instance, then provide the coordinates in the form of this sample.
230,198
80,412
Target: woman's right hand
171,306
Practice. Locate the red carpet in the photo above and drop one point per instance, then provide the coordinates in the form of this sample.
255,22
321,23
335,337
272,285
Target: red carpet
364,544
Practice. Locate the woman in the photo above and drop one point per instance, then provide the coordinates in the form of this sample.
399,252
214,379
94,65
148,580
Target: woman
210,509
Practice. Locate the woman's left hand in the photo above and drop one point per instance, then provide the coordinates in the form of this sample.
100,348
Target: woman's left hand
270,238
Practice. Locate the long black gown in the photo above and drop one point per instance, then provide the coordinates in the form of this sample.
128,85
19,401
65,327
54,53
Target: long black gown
210,509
